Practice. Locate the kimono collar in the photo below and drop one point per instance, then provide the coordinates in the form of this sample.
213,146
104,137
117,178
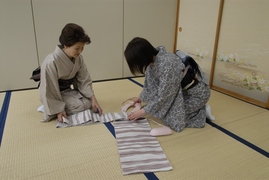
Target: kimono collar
161,52
161,48
61,53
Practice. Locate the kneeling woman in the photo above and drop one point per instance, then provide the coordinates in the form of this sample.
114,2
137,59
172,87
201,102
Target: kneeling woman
63,68
173,90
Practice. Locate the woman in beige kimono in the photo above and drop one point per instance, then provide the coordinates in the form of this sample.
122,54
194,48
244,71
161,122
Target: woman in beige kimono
63,69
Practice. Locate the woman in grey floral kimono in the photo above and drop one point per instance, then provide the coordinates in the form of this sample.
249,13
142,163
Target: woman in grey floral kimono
173,91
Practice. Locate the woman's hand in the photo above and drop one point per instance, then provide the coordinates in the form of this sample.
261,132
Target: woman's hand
135,99
61,115
137,114
95,106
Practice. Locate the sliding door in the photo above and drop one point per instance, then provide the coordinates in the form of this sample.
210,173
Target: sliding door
197,24
229,40
242,58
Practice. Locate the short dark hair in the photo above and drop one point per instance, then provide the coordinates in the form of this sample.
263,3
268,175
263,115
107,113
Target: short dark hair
73,33
139,54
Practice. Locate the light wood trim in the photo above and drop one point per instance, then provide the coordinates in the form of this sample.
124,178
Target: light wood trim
176,32
216,43
240,96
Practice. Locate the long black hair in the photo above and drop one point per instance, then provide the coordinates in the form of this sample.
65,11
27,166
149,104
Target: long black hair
139,54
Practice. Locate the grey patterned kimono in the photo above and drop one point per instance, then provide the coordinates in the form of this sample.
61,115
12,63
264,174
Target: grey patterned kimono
57,66
165,98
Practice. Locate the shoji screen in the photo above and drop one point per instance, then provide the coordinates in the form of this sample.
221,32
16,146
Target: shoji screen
242,58
229,40
196,30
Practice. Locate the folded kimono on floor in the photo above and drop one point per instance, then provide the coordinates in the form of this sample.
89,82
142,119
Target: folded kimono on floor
139,151
87,117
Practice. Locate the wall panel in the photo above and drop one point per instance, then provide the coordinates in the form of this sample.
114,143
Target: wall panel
101,19
154,20
18,56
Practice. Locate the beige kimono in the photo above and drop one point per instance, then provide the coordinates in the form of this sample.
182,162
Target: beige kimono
58,66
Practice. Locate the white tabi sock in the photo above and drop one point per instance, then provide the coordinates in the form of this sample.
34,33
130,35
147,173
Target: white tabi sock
208,113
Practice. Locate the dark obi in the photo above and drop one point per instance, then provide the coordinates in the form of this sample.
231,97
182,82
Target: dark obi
190,80
65,84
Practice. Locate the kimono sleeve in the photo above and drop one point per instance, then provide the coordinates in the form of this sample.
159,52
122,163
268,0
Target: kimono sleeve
83,81
49,89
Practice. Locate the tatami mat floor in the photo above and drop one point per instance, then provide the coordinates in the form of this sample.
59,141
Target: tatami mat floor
34,150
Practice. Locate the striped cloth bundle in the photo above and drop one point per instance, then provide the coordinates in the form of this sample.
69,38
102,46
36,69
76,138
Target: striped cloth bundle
139,151
87,117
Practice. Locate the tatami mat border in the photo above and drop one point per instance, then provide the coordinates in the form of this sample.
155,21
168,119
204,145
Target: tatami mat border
243,141
3,114
135,82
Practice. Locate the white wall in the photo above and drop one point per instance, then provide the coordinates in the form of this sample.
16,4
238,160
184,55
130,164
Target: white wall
17,45
30,30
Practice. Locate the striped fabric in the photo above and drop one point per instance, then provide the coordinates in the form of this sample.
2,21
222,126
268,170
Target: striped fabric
87,117
139,152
